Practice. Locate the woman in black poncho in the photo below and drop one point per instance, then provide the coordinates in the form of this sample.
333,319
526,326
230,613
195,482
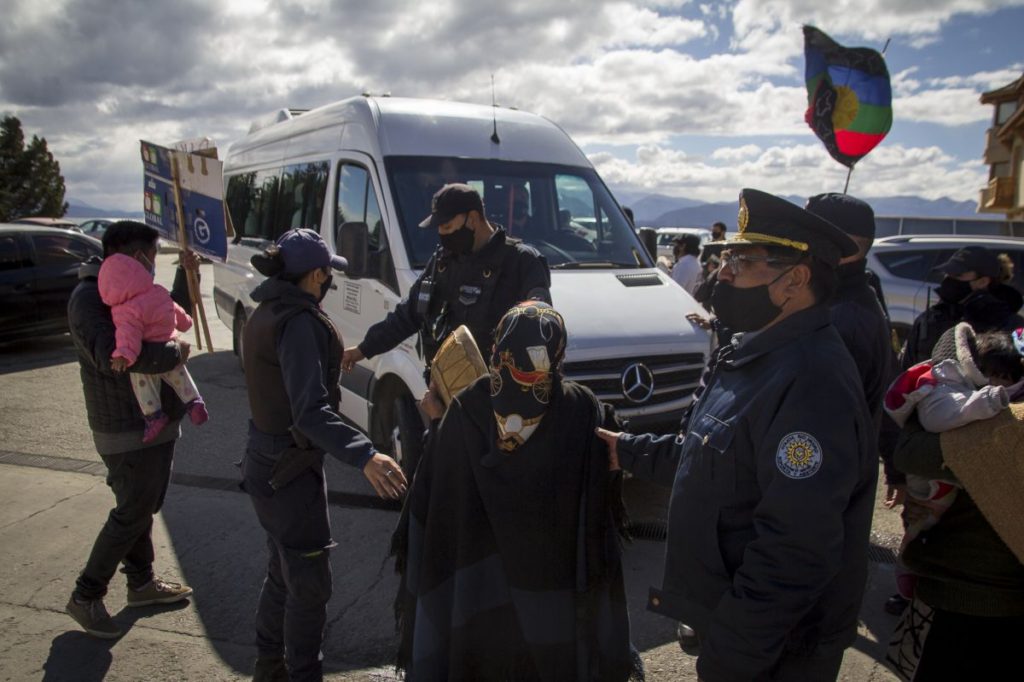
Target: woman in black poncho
513,567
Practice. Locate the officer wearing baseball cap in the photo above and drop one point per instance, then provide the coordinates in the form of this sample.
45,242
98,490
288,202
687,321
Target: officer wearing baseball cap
773,479
291,354
974,289
474,276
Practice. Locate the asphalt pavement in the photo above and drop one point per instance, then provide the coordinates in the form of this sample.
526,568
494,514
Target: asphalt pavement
53,500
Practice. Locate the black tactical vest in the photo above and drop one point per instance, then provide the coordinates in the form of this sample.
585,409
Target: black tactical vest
474,291
268,400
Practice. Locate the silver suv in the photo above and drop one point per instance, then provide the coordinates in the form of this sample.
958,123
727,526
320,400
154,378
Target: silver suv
904,264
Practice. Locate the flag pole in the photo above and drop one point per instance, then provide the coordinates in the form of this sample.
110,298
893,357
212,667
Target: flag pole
849,172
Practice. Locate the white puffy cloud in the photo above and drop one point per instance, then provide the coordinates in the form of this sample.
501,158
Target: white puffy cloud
94,76
873,20
730,154
799,169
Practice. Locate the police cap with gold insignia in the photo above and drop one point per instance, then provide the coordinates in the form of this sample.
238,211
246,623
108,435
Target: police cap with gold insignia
767,220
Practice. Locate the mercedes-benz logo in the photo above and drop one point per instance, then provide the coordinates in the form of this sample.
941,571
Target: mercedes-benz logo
637,383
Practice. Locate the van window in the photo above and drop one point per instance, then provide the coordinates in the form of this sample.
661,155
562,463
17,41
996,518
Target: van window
252,202
565,212
303,190
357,203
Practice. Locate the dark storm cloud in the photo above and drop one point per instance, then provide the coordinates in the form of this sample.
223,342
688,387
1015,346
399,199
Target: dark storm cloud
90,46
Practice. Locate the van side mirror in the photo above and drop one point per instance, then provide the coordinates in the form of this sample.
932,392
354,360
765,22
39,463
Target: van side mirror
649,238
352,245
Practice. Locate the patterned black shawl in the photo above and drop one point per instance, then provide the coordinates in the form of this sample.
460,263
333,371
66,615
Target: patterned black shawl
511,564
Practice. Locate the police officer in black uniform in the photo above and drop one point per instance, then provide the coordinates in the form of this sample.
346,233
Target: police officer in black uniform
476,274
291,355
773,482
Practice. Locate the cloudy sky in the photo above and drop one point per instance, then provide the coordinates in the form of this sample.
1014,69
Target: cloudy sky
686,98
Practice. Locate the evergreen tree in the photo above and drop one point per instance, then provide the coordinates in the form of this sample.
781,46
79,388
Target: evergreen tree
30,179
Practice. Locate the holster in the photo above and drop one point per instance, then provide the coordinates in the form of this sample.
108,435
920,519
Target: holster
295,461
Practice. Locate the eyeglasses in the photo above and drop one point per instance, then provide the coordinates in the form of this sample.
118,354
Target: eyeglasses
738,262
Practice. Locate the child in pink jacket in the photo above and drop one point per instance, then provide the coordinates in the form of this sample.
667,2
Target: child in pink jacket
144,311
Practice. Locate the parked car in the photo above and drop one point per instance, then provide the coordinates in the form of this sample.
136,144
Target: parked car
38,271
668,235
62,223
905,265
95,227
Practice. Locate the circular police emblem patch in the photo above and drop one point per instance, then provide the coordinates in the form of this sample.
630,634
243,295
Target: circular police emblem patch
799,455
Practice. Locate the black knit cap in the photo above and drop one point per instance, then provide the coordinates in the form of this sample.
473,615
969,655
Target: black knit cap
767,220
849,214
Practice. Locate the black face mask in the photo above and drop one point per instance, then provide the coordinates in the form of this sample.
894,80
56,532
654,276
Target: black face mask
744,310
325,286
953,290
460,241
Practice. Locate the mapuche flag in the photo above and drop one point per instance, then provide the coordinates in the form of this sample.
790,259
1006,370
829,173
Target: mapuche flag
849,100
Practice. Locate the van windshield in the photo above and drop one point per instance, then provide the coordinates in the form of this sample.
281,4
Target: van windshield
565,212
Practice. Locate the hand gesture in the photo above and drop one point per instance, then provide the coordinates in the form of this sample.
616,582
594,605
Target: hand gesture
611,439
350,357
385,476
702,322
189,260
430,403
119,364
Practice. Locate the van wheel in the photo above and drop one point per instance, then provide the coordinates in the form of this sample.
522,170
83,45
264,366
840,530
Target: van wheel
236,335
406,434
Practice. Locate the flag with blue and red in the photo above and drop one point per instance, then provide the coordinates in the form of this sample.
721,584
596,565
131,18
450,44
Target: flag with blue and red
849,99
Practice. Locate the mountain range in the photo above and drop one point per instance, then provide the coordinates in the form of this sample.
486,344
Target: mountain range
80,209
658,210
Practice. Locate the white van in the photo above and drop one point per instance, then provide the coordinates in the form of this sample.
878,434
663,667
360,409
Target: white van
362,172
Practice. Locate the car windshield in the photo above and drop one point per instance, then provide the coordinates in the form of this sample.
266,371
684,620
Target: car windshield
565,212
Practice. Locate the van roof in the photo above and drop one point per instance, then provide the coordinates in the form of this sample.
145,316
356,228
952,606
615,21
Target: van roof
399,126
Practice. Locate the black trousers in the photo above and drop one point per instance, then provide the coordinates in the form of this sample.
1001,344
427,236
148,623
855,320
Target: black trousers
292,610
139,481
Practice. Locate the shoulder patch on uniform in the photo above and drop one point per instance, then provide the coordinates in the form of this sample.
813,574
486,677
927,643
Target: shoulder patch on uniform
799,455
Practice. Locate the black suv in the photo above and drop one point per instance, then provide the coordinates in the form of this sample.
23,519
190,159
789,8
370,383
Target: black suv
38,271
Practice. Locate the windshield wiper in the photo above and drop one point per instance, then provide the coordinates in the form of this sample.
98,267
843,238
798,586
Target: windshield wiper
579,265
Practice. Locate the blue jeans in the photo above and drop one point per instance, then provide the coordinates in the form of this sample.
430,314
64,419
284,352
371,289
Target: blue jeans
139,481
292,610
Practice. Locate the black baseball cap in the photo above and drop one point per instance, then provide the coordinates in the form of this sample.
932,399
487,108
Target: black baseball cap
975,259
450,201
769,220
849,214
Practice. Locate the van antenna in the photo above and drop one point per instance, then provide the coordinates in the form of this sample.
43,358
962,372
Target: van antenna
494,115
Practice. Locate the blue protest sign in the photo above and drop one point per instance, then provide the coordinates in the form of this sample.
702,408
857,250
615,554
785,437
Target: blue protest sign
201,186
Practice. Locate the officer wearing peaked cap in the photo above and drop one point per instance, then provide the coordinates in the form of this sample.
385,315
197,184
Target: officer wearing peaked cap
773,480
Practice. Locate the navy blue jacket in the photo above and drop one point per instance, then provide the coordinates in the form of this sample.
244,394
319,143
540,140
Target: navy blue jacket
860,319
302,349
773,489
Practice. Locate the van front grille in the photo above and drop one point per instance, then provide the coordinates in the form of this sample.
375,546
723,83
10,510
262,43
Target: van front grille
673,377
